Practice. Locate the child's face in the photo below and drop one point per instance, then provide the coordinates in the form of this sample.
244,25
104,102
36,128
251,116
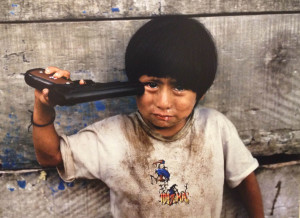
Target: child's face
165,106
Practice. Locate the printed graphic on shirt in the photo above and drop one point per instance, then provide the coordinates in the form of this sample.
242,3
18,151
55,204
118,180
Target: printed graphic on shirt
168,195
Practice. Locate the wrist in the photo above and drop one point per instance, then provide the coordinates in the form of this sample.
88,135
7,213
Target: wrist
42,114
44,124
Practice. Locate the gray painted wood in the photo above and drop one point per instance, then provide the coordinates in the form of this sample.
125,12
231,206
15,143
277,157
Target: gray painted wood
280,193
19,10
257,88
257,85
27,195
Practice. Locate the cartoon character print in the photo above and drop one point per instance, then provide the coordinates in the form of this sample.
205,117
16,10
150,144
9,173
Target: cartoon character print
161,171
168,196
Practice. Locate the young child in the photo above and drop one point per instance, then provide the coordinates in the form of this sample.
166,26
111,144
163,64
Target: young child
171,157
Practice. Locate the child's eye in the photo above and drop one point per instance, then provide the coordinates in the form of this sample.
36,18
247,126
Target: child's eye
151,84
179,88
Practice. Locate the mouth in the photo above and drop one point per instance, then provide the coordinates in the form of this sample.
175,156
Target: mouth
163,117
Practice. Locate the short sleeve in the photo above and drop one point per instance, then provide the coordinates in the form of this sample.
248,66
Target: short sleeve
239,162
94,151
80,154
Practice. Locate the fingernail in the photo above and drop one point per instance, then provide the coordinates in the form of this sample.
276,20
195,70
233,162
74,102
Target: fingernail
47,70
45,91
81,82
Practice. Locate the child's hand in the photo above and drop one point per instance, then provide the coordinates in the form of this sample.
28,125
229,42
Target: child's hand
43,97
57,73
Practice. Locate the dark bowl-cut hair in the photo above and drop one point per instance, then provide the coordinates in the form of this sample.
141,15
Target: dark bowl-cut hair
173,46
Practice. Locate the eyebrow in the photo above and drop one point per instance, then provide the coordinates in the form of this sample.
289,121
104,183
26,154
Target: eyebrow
173,82
156,81
153,79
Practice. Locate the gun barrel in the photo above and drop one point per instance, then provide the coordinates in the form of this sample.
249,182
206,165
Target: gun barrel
87,94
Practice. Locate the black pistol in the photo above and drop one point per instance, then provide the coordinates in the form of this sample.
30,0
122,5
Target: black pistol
66,92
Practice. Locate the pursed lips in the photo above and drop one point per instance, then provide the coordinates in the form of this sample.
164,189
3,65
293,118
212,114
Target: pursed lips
162,116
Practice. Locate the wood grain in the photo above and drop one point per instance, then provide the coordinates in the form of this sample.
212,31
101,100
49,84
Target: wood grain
48,10
257,86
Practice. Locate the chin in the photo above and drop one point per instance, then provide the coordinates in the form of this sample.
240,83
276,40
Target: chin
161,125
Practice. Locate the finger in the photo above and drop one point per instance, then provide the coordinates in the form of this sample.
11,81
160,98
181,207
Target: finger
51,70
82,82
45,98
42,96
45,95
62,73
58,73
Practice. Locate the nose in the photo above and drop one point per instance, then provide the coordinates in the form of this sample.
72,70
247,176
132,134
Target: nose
164,99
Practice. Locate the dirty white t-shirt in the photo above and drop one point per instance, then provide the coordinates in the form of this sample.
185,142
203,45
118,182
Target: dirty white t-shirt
152,176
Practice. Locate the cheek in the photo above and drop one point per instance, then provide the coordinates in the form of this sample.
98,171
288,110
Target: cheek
185,106
143,102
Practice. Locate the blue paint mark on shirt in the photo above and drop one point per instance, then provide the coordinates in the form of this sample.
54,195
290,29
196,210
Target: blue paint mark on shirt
99,105
22,184
84,12
14,5
61,185
115,10
12,13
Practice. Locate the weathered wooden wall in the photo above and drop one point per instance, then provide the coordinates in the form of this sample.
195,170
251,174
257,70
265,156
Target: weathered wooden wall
19,10
35,195
257,85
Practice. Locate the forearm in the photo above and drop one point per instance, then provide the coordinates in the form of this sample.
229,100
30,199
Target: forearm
250,195
45,139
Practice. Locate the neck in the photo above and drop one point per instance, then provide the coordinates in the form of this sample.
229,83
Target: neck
168,131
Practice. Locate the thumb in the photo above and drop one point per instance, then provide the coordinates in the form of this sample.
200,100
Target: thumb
44,98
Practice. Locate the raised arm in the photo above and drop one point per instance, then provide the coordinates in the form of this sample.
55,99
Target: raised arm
45,137
250,195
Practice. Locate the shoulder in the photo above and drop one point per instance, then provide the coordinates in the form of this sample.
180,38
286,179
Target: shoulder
116,122
212,118
209,114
